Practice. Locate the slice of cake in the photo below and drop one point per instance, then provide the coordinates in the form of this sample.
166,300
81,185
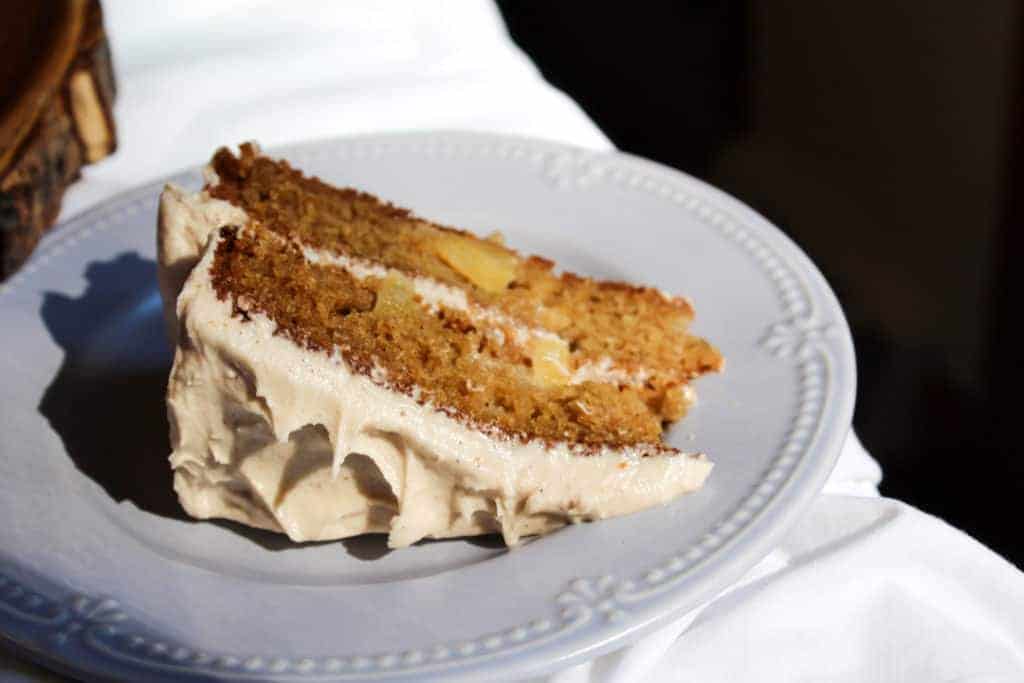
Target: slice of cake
344,367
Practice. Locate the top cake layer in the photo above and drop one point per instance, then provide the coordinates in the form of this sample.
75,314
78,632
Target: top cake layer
557,356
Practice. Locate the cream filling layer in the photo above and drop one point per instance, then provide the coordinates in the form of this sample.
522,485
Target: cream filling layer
434,294
271,435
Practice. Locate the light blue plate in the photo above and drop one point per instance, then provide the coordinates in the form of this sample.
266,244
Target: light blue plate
102,575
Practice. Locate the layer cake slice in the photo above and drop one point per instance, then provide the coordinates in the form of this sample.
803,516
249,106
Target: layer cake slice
344,367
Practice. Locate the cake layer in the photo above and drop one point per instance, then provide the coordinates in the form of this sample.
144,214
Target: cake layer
273,432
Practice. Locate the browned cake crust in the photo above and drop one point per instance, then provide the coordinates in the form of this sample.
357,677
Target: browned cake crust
57,118
640,331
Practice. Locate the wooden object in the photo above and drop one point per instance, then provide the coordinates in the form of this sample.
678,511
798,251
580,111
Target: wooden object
55,113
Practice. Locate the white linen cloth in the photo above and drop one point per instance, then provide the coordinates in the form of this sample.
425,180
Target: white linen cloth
863,589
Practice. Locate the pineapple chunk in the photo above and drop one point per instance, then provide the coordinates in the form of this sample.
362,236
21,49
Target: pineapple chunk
550,359
395,295
675,402
485,264
554,319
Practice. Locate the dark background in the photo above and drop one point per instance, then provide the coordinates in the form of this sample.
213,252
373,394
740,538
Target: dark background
885,138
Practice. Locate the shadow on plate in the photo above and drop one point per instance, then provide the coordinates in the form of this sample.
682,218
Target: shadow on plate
375,546
107,400
368,547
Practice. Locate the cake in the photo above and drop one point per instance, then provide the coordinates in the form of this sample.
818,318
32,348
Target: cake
344,367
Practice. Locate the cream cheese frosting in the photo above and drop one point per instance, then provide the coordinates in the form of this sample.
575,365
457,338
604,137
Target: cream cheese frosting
184,222
272,435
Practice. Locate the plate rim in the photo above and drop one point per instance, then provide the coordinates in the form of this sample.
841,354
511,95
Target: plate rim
797,340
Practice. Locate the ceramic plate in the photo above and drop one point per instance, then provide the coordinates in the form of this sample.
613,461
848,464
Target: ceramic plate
103,576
